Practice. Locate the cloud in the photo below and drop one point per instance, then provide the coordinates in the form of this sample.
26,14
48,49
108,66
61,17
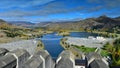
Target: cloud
5,4
108,4
56,7
46,7
36,2
94,1
59,7
28,8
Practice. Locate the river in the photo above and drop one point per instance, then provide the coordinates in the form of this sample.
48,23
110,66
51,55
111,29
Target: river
52,41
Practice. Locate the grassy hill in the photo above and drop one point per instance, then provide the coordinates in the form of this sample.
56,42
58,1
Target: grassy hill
9,32
102,23
21,23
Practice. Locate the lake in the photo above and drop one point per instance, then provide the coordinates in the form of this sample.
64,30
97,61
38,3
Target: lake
52,42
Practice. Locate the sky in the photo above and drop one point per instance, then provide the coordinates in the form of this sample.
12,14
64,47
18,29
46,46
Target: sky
56,10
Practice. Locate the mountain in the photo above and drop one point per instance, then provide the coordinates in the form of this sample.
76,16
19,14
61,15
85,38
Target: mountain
2,21
21,23
117,18
5,25
46,24
100,23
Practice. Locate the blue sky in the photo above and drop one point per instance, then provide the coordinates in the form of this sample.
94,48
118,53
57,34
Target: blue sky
56,10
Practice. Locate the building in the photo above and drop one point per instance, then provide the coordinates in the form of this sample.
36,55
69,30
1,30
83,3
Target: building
79,63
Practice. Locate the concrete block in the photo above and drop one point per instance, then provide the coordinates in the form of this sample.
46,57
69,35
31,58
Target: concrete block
49,63
3,51
65,60
8,61
21,55
34,62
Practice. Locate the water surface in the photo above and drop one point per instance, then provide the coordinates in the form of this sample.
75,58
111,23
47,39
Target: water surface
52,44
52,41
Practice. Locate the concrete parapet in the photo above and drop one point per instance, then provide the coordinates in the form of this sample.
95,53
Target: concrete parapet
21,56
3,51
65,60
34,62
8,61
49,63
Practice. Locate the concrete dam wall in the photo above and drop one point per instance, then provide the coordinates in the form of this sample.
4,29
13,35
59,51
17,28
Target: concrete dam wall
20,58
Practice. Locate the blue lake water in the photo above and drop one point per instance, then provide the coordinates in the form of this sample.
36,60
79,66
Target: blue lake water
52,44
82,34
52,41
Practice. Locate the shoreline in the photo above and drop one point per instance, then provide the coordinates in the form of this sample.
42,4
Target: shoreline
77,53
88,42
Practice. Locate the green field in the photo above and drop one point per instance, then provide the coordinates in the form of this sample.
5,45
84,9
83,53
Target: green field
85,49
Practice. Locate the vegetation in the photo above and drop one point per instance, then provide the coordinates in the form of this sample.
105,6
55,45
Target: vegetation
113,50
105,51
21,33
109,49
40,45
63,33
69,47
116,52
105,34
6,39
8,32
102,24
85,49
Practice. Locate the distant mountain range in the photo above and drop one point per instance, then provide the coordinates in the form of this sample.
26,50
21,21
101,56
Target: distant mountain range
5,25
21,23
101,23
2,21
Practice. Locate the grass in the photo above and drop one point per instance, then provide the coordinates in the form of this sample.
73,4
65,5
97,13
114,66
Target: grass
104,53
7,39
118,35
71,48
40,46
85,49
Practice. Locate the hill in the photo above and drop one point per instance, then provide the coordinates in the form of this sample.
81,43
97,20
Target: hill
117,18
4,24
103,23
21,23
2,21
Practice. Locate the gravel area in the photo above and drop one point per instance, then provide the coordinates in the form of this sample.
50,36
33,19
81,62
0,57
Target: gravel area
29,45
88,42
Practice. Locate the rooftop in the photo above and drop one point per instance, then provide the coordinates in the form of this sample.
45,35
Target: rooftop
80,62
